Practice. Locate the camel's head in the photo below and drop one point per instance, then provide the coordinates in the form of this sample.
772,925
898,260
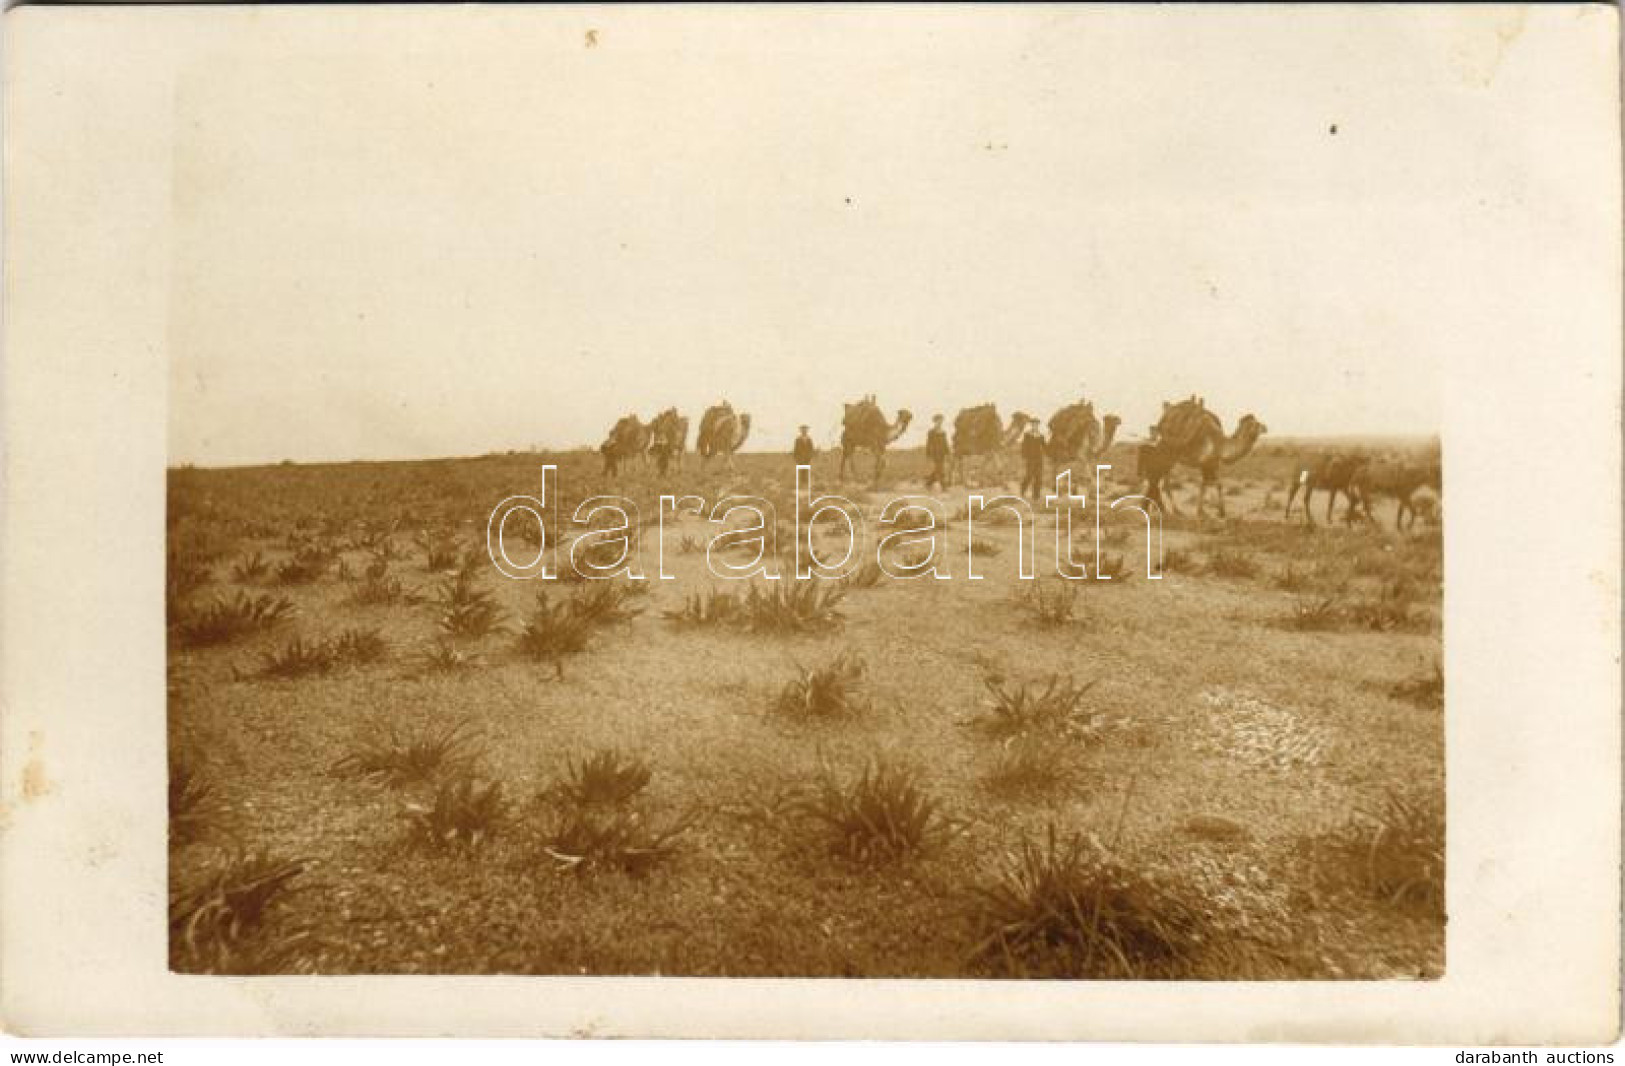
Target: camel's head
1251,427
904,417
744,423
1019,420
1110,423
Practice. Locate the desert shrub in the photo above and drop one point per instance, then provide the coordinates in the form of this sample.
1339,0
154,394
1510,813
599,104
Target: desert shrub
1028,764
184,575
1056,709
440,551
1426,690
982,547
690,545
225,925
221,621
358,644
1390,610
446,657
710,608
882,815
588,840
192,801
607,602
381,589
308,563
827,691
1177,561
463,609
552,632
794,606
867,576
250,570
1067,909
1052,603
1317,612
1114,567
1232,563
298,658
385,756
605,777
463,814
1394,853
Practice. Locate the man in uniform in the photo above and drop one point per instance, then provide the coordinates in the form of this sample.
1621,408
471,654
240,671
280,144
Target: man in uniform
936,450
803,450
1032,460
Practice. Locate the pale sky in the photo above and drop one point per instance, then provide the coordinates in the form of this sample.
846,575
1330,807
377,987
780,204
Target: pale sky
495,235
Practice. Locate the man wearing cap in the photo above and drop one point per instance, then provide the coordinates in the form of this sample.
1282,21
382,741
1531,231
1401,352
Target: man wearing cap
936,450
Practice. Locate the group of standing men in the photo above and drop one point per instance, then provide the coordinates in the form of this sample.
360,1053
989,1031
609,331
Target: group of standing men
937,452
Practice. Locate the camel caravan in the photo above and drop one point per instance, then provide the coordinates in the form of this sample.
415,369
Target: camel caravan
1187,434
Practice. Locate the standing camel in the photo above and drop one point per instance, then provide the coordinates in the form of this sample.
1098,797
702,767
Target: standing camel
978,432
1332,471
669,432
864,427
721,434
1400,481
1190,434
1075,434
628,438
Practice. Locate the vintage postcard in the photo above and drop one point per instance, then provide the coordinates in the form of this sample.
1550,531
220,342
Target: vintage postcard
1061,522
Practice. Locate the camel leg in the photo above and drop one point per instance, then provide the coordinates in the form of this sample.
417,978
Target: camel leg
1292,494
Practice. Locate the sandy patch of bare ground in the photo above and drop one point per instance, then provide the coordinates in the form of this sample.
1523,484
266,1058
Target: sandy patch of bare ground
387,758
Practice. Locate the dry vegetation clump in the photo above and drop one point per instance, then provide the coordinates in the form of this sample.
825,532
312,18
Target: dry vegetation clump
1315,612
464,610
711,608
1233,563
463,814
226,924
556,629
828,691
1069,909
1394,854
1057,709
883,815
440,552
593,821
221,621
300,657
307,564
1028,765
605,777
250,570
447,657
607,602
794,606
192,801
1424,691
1053,604
387,757
867,576
1390,610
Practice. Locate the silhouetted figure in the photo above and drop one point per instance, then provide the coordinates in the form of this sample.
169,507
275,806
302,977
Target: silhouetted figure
1032,459
936,450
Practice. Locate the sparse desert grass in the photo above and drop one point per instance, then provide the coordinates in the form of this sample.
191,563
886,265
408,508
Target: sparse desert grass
882,815
553,632
1066,908
225,925
714,607
604,777
606,602
1391,609
222,621
463,814
1315,612
1028,765
1021,708
386,756
192,800
829,691
463,609
1394,853
301,657
794,606
307,564
447,657
1050,603
250,570
440,553
867,576
1233,563
1426,690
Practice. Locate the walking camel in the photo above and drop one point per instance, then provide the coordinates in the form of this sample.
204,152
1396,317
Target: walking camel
1189,434
722,432
978,432
1333,472
864,427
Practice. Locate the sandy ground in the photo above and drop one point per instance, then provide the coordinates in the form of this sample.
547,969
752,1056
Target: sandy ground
1223,747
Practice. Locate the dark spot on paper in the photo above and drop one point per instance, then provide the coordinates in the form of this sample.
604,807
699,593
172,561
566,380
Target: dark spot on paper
592,38
1333,130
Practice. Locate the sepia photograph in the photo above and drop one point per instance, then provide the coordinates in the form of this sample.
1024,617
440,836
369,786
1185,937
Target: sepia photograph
754,525
1054,521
